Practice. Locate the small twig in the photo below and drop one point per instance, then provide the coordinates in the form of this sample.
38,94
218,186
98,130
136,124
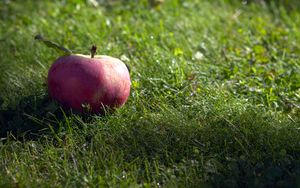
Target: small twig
54,45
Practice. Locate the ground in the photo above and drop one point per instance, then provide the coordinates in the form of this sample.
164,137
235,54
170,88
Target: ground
215,98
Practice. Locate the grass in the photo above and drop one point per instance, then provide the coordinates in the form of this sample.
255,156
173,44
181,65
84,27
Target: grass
214,100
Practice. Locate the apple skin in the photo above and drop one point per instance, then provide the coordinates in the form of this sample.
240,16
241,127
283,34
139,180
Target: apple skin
77,80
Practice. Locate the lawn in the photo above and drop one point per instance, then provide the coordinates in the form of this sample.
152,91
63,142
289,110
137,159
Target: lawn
215,95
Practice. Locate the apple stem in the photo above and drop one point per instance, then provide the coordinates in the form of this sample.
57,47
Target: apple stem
93,51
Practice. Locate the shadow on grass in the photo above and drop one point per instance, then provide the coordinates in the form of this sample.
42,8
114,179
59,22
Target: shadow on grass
289,5
30,118
33,117
37,115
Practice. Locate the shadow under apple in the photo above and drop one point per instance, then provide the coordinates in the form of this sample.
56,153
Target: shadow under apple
33,117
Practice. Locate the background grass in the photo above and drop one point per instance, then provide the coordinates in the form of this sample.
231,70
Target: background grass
214,102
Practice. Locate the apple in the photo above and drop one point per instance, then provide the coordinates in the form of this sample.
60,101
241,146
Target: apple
87,83
80,81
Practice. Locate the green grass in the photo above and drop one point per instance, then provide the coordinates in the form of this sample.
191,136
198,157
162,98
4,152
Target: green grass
215,97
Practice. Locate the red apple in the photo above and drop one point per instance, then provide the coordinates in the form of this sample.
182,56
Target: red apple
79,80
